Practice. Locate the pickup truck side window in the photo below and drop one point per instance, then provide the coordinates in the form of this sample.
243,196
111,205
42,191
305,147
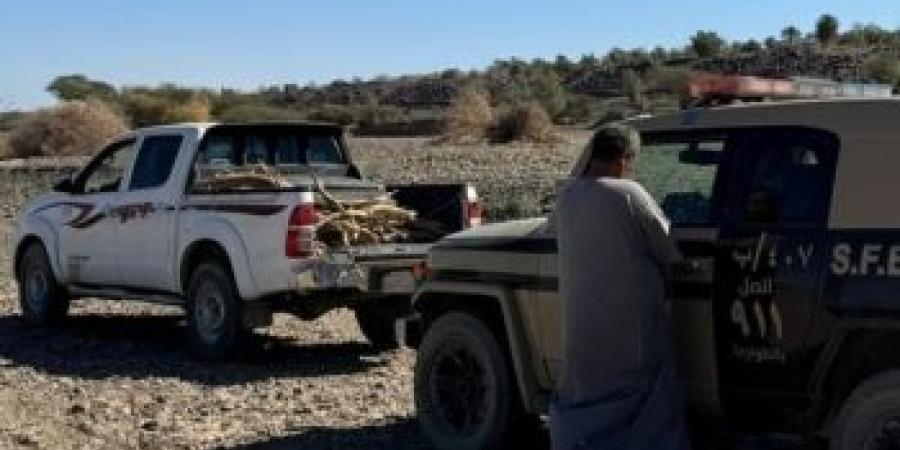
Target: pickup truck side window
680,172
105,173
154,161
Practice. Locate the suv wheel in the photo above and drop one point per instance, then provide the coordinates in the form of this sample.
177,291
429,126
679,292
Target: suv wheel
214,312
377,317
870,417
465,394
42,300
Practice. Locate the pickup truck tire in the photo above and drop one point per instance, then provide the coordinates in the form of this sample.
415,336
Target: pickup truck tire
377,317
42,299
465,394
870,417
215,328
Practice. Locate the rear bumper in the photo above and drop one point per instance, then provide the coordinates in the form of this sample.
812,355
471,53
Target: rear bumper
326,275
386,273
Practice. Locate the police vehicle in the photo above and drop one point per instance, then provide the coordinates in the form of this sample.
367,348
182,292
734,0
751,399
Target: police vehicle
786,311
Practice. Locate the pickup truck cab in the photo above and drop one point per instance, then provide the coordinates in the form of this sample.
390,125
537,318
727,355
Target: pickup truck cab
221,219
785,311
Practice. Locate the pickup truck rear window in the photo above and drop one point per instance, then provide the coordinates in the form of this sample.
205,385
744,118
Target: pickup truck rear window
252,157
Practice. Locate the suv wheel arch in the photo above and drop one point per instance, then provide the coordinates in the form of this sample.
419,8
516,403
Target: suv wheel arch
495,306
858,351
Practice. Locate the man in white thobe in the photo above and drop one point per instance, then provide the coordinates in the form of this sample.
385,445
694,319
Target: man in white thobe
618,388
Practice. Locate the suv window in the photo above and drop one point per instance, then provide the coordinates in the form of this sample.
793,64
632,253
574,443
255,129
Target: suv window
105,173
154,161
680,171
785,176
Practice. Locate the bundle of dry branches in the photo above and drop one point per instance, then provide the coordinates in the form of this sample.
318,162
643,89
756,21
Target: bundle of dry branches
374,221
248,177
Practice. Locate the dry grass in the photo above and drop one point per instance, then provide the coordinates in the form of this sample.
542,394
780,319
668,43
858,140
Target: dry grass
469,119
73,128
526,123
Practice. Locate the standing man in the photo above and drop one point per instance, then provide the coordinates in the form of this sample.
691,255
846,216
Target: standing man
618,388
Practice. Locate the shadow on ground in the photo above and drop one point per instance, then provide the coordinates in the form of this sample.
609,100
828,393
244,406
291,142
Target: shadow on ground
103,346
400,435
396,435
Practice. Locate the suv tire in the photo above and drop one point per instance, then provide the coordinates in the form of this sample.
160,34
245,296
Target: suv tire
465,393
215,328
377,317
870,417
42,300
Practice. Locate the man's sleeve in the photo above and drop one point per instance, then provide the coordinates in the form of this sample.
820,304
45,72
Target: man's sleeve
655,227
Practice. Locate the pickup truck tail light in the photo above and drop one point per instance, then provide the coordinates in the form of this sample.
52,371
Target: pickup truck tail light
472,210
300,239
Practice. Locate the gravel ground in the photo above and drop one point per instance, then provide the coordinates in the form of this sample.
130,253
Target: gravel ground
117,375
513,180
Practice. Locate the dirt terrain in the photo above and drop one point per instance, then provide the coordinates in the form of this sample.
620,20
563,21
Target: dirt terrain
117,375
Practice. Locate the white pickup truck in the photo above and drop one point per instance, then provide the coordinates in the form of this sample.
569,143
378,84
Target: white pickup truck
143,221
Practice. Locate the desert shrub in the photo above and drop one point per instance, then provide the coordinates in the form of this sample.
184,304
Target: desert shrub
5,150
146,109
70,129
374,116
882,68
633,88
9,119
257,113
579,109
525,123
469,118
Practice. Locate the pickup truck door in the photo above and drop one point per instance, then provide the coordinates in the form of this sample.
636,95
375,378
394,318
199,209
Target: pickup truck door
147,211
87,232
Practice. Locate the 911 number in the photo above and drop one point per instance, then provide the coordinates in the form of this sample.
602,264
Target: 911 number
751,316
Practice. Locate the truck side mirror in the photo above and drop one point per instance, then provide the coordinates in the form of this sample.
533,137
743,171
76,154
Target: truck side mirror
65,185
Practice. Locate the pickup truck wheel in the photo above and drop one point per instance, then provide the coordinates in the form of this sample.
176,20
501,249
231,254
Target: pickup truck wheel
465,394
42,300
870,417
377,317
214,312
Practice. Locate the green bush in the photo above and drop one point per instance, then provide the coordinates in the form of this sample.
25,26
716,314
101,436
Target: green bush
337,114
258,113
882,68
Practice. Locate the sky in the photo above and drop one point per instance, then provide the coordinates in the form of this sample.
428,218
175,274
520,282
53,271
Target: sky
248,44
